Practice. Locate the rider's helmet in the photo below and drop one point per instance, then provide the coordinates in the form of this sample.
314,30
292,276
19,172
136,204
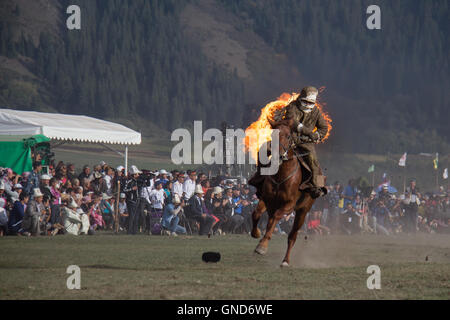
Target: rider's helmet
308,98
309,95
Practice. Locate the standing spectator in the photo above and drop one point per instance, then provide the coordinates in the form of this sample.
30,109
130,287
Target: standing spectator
412,203
30,222
349,193
333,198
33,179
132,193
109,177
177,187
189,185
157,199
167,191
119,176
237,218
382,215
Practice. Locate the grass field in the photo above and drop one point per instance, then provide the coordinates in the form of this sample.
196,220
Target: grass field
155,267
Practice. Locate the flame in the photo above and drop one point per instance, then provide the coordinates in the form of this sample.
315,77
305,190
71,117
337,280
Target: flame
260,131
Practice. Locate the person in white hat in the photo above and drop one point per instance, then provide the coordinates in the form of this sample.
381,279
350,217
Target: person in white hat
197,211
71,219
132,193
15,193
123,211
106,208
171,217
45,185
162,176
30,222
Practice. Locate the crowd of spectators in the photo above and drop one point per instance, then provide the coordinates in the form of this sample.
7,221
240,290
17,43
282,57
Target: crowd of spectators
64,201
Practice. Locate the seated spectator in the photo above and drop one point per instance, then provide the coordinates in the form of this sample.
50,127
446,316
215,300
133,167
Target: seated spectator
17,213
85,174
123,211
315,226
54,190
98,184
237,219
197,211
3,219
107,211
30,222
70,218
170,218
45,185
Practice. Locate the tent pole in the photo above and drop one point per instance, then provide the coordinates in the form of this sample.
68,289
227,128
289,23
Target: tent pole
126,160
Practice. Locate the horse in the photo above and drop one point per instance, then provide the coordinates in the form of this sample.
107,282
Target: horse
280,194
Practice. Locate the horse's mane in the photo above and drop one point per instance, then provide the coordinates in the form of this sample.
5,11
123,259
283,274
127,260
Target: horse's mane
283,122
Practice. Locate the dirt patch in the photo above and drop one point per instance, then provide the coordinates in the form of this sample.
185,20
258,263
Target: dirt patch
364,250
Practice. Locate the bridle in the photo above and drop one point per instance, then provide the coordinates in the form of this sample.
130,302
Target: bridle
284,157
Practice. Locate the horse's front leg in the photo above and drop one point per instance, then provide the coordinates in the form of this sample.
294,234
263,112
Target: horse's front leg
300,215
256,215
261,248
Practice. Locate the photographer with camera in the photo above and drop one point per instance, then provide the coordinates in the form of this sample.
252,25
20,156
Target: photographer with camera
132,193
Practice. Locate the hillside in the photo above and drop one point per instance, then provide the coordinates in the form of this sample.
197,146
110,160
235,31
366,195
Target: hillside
158,65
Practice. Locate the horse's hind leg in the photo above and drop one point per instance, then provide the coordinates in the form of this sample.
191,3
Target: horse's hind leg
300,215
261,248
256,215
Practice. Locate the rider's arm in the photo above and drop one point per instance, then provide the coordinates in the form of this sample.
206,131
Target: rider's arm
322,126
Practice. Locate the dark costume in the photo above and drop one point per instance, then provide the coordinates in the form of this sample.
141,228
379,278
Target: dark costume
307,116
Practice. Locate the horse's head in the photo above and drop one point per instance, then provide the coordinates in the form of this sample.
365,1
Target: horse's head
286,141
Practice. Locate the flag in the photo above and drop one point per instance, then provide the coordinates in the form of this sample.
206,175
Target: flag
371,168
435,161
402,161
445,174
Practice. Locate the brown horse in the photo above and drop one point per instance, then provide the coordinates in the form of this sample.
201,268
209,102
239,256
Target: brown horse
280,194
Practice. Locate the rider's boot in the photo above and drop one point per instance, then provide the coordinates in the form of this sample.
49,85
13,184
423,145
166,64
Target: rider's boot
317,188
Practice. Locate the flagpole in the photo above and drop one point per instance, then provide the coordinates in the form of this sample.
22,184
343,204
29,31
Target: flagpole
437,180
373,178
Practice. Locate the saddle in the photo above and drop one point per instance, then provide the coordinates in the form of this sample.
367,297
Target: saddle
258,179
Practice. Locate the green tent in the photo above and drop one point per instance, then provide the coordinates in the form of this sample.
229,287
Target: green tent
15,151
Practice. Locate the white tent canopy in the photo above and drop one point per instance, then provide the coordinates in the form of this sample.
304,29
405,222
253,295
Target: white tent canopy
65,127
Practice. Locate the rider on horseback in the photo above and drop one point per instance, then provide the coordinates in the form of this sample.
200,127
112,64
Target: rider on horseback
307,116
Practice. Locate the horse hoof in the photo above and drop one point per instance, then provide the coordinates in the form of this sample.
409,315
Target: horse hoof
261,250
256,234
284,264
